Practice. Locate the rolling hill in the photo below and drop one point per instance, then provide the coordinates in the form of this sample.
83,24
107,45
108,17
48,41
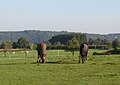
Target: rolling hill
38,36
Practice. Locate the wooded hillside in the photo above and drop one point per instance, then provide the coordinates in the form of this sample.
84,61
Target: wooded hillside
34,36
38,36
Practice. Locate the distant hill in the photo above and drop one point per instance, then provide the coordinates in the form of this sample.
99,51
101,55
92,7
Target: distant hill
109,37
38,36
32,35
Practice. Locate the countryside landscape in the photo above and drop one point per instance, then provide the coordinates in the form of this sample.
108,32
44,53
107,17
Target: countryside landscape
59,42
18,62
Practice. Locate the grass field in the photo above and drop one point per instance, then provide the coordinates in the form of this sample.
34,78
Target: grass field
61,69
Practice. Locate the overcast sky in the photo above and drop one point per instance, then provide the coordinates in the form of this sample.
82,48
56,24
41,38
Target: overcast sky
86,16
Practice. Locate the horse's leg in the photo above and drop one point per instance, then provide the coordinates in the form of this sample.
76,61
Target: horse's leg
40,57
83,58
43,58
38,60
86,56
79,58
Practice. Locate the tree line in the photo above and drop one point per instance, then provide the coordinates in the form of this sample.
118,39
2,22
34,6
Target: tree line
69,42
103,44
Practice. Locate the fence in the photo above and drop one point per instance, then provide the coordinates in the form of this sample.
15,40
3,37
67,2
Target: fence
33,54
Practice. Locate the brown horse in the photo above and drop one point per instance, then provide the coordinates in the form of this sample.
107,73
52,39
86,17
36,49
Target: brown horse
41,49
83,52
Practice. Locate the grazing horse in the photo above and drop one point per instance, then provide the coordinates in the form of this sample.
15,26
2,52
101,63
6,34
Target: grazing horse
41,49
83,52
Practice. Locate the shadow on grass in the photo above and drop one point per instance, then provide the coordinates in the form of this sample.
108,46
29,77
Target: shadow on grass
47,62
110,63
56,62
13,63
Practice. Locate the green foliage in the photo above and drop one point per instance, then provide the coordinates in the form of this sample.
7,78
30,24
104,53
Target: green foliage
49,45
6,45
34,36
91,41
99,44
116,44
73,45
64,38
15,45
33,46
23,43
108,37
58,45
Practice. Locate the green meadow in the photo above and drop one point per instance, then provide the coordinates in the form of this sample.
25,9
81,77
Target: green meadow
61,68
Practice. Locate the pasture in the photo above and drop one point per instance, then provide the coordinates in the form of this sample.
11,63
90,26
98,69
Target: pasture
61,68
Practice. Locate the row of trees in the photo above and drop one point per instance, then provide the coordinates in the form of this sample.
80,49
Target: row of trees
64,38
21,43
116,44
104,44
69,42
72,43
99,44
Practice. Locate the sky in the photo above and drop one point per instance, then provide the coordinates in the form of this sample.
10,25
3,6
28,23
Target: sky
85,16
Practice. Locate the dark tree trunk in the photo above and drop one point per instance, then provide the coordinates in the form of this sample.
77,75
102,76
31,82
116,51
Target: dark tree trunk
73,53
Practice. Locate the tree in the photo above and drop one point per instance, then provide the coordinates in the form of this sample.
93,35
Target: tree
64,38
57,45
107,43
49,45
7,45
116,44
23,43
73,45
33,46
82,38
15,45
97,41
91,41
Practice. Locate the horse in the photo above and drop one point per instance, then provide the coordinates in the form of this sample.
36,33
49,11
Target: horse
41,50
83,52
